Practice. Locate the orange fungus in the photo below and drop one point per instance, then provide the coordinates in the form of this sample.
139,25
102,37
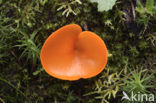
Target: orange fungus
71,54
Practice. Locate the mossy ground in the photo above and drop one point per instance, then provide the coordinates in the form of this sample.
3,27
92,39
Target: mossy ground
25,25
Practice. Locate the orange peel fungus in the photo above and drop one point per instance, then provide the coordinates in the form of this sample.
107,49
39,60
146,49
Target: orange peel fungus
71,54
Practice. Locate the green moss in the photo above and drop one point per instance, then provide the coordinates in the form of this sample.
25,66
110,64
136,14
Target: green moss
25,25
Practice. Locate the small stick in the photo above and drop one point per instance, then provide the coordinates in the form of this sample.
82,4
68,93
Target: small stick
12,52
85,27
2,100
133,10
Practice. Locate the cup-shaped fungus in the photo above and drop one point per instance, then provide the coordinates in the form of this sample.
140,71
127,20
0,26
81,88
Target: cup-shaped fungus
71,54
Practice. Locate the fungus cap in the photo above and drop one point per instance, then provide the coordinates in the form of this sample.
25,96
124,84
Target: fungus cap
71,54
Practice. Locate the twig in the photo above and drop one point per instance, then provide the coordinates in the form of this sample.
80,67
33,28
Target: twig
85,27
133,10
11,85
12,52
2,100
144,30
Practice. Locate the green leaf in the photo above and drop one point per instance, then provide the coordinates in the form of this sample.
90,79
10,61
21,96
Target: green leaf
43,2
1,1
149,4
140,8
104,5
38,71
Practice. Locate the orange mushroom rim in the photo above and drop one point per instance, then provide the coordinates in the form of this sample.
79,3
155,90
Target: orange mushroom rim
70,53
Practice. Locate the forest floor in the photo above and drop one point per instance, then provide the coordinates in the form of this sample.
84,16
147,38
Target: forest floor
128,30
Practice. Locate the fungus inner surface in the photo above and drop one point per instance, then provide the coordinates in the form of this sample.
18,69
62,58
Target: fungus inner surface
71,54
